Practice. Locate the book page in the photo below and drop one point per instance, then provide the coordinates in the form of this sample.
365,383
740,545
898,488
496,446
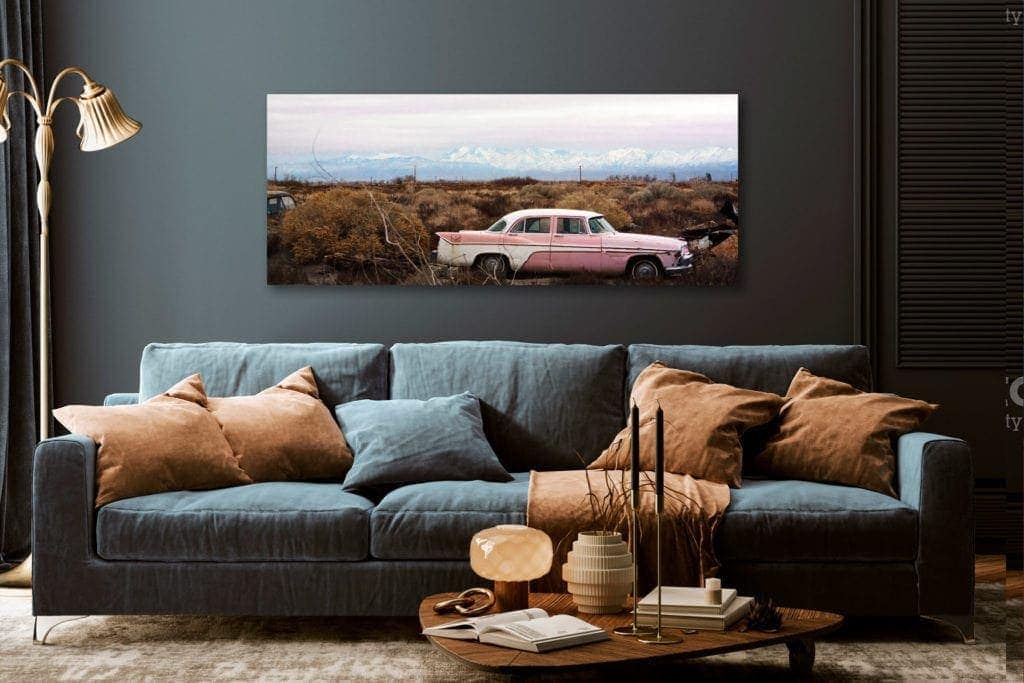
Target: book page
486,623
552,628
494,621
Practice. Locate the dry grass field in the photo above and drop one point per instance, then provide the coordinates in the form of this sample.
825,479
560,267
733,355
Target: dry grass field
382,233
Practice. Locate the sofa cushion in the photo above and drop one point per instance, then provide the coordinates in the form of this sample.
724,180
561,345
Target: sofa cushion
285,432
763,368
168,443
544,406
436,520
121,399
703,424
800,521
344,372
260,522
405,441
830,432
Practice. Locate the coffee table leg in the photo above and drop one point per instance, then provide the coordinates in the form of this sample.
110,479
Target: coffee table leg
801,656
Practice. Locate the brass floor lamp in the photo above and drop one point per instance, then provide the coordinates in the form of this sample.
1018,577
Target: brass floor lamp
102,124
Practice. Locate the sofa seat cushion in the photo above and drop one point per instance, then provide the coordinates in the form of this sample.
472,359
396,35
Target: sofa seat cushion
801,521
260,522
436,520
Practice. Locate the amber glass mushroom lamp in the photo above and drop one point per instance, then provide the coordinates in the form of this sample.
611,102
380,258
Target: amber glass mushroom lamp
102,124
511,555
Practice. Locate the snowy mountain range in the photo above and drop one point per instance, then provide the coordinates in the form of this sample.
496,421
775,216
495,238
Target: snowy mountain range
486,163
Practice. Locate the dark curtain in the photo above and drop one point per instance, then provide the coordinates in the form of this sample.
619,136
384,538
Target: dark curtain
21,26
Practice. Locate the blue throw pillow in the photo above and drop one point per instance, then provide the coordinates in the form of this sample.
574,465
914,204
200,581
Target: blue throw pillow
405,441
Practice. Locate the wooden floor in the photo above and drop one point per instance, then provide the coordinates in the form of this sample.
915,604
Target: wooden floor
989,568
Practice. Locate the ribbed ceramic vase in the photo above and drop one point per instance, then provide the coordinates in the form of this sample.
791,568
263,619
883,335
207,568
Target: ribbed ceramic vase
599,572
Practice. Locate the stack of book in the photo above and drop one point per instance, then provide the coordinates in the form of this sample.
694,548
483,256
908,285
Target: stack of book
688,608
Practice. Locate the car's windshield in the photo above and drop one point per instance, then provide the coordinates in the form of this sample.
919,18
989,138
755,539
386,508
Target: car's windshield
599,224
497,227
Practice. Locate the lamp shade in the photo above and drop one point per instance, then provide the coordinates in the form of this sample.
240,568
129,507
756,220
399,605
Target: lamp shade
103,123
511,552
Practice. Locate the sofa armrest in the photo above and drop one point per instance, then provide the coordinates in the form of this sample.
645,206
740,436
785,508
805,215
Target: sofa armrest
63,498
121,399
936,477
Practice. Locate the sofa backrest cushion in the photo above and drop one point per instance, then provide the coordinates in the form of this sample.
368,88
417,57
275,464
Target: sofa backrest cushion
762,368
344,372
544,406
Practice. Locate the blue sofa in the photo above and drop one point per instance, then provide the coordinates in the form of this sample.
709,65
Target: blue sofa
314,549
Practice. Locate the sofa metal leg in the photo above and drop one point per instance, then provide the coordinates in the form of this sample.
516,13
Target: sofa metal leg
963,623
43,625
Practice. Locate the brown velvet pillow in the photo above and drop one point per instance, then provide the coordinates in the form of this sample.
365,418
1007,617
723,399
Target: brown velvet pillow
703,424
831,432
169,443
284,433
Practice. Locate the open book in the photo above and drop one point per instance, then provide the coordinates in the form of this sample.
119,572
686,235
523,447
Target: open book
529,629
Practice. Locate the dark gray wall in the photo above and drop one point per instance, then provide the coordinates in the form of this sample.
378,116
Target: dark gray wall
162,238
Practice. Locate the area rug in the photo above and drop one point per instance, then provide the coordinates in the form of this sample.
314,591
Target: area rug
234,648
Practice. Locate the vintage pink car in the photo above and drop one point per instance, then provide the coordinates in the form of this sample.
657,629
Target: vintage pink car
562,241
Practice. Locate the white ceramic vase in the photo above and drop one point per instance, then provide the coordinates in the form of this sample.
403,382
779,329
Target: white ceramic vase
599,572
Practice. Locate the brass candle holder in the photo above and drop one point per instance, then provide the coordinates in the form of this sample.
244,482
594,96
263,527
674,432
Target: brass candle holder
634,534
635,629
659,637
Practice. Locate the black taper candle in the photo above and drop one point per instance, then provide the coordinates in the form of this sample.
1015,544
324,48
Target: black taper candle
635,473
659,459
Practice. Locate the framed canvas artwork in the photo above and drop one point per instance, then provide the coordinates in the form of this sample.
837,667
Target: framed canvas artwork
502,190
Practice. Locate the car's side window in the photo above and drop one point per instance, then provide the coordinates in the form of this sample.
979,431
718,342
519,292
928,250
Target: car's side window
288,203
517,228
537,226
273,205
570,226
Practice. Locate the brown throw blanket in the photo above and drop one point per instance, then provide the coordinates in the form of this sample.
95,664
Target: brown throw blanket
564,503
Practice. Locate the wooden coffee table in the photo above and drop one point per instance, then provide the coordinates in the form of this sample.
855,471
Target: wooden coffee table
799,629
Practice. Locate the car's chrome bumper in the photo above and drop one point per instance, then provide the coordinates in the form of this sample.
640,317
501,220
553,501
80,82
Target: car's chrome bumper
682,265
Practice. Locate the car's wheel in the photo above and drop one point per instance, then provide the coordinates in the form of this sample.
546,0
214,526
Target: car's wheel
644,270
494,266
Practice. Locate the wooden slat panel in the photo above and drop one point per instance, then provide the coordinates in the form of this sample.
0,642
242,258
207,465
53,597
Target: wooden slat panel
1014,330
991,527
958,275
1015,518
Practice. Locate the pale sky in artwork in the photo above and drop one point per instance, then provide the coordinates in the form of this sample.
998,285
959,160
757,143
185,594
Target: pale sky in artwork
430,124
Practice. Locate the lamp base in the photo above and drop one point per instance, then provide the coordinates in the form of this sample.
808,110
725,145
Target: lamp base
511,595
